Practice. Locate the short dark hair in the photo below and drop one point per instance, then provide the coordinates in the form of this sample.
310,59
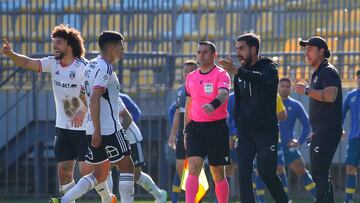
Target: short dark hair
191,63
73,38
357,72
107,37
210,44
285,80
251,39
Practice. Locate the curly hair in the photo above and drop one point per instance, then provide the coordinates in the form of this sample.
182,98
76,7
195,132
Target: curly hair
73,38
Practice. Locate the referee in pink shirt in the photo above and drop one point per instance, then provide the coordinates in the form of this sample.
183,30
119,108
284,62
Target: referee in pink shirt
206,132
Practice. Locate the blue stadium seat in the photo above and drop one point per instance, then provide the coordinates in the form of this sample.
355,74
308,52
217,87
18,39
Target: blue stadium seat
117,22
161,26
73,20
45,25
185,25
6,25
60,5
10,6
168,4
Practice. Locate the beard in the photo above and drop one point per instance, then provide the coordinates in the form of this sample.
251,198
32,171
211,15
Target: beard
59,56
247,61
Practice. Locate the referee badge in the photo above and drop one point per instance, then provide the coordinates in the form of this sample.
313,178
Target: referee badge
208,88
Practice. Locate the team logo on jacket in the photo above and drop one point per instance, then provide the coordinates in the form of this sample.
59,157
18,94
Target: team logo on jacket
316,78
353,99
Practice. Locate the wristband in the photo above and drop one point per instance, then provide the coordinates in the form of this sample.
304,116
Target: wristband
215,103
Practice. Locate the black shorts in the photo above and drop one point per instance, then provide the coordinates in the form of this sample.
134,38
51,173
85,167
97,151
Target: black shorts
70,145
137,154
209,139
180,148
113,147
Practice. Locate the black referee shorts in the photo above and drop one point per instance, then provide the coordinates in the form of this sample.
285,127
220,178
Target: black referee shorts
209,139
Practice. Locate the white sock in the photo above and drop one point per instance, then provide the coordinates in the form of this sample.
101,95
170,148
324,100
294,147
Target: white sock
103,190
63,189
85,184
146,182
126,187
109,182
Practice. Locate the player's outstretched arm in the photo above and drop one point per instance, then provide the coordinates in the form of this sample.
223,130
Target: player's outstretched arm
19,59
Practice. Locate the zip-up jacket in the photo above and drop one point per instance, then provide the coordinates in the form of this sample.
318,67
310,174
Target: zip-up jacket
255,90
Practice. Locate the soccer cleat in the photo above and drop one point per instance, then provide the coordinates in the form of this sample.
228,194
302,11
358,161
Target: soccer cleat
113,198
55,200
163,197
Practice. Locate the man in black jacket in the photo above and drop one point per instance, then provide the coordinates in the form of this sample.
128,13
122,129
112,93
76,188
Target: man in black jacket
325,112
255,87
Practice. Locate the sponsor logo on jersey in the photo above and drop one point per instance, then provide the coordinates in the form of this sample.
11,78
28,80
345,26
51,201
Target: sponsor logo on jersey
64,85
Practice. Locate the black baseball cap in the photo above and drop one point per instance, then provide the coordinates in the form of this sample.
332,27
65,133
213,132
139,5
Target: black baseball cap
318,42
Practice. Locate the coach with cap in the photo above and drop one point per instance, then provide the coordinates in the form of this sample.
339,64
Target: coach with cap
325,114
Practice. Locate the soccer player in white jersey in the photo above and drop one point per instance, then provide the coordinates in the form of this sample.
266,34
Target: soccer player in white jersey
134,135
67,69
106,137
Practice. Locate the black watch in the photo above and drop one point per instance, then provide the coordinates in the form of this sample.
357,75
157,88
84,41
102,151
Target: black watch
307,90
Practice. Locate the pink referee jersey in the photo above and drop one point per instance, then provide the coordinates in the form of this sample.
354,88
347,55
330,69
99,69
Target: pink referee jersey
203,89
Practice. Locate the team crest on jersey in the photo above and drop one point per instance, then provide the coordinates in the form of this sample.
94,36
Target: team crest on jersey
105,77
57,73
72,74
289,108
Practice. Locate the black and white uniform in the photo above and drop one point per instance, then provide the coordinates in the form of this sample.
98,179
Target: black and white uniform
99,73
70,142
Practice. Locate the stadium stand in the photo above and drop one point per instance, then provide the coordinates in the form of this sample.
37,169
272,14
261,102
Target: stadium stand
159,36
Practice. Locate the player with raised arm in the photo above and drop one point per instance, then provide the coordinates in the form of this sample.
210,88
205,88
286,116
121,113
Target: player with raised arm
106,137
66,67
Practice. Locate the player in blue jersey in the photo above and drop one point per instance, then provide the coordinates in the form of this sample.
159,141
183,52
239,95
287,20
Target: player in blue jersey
352,103
289,142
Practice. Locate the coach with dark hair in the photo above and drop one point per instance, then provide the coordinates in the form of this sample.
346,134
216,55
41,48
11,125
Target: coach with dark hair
255,87
325,112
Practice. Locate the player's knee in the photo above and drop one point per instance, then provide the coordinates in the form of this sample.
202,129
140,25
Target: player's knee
126,165
101,175
65,170
351,170
85,169
280,169
137,173
195,165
